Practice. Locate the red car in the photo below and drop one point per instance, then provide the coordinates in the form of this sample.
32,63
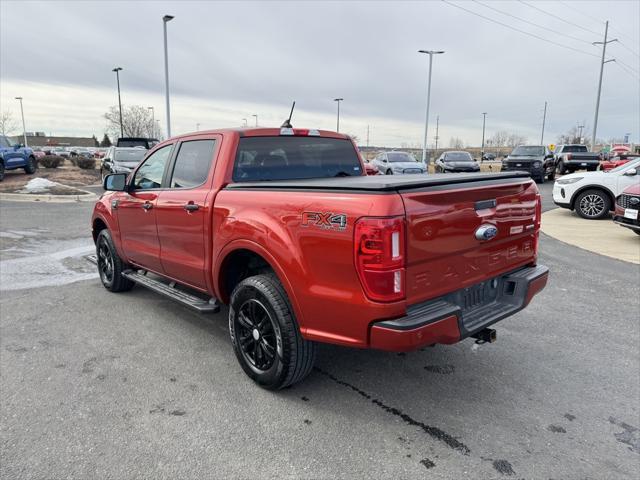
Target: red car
619,159
627,212
284,226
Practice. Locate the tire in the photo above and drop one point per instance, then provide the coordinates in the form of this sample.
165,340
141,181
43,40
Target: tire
593,204
540,179
1,170
637,232
110,265
265,335
31,166
552,175
389,172
560,168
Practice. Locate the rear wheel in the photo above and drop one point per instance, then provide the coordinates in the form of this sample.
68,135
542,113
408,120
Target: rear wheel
560,168
637,232
31,166
552,175
1,170
110,265
265,335
593,204
389,172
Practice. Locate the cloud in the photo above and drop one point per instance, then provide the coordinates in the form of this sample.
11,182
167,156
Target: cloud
229,60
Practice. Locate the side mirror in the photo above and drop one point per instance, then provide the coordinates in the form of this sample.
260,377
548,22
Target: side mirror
116,182
630,173
384,160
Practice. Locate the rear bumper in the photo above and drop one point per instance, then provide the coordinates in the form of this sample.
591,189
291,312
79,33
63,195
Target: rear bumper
462,313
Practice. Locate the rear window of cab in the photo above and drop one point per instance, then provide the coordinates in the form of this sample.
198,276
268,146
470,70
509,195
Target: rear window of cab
289,158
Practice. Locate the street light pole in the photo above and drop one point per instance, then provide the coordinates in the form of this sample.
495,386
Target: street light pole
165,19
153,121
244,120
338,100
437,128
484,121
544,120
197,127
431,53
117,70
602,62
24,129
255,115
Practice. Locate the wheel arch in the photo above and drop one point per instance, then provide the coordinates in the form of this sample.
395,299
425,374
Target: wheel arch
240,259
608,192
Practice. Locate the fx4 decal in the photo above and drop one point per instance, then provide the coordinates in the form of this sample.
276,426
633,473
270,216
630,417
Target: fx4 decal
327,220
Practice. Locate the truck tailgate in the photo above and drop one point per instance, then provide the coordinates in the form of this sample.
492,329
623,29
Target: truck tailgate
443,252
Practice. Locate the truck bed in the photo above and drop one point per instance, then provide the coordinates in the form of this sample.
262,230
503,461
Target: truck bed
384,183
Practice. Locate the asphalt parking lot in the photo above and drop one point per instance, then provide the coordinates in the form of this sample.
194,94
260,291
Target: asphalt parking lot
131,385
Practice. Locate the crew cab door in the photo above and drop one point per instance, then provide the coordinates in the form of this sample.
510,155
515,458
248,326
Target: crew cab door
12,157
137,214
183,211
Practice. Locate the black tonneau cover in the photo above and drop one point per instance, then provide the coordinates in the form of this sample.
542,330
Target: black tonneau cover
378,182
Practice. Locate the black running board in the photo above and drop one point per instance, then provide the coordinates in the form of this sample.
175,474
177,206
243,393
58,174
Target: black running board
192,301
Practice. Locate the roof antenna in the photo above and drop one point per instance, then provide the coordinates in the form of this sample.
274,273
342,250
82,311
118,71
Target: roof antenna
287,122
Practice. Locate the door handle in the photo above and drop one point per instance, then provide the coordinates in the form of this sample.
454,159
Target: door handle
147,205
191,207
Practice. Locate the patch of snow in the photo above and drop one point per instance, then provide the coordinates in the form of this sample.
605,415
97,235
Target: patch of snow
39,185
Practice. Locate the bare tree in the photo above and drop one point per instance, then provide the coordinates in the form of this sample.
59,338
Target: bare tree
573,135
137,121
456,142
503,138
515,139
354,137
7,124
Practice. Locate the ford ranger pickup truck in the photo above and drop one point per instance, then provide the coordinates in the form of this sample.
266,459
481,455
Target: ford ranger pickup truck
284,226
14,155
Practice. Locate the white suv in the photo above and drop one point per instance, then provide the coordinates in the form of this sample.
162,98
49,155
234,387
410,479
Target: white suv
592,194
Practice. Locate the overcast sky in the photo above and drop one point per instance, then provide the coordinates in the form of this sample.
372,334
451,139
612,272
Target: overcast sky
229,60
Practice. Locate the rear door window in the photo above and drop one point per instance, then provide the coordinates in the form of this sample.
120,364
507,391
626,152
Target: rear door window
287,158
192,163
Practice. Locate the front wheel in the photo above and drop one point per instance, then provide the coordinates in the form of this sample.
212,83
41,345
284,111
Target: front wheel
593,204
110,265
560,168
265,335
552,175
30,167
389,172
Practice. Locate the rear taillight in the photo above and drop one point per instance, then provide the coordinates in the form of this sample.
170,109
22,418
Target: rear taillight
380,257
569,156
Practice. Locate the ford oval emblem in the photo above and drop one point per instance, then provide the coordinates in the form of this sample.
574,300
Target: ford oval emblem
634,201
486,232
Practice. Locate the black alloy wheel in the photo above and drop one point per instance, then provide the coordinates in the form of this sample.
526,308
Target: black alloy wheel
256,335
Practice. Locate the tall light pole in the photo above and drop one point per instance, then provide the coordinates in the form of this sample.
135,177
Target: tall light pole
580,127
431,53
437,137
544,120
338,100
197,127
255,115
484,121
117,70
602,62
24,129
153,121
165,19
244,122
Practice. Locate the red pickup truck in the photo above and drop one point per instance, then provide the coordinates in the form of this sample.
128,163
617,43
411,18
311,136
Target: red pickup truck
284,226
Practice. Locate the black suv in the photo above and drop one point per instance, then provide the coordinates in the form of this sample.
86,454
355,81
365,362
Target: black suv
535,159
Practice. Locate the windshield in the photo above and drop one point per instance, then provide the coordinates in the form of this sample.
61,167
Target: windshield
625,166
574,148
458,157
133,155
288,158
528,150
400,157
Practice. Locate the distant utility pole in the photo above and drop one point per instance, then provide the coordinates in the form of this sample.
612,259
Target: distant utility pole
544,120
255,115
367,135
338,100
431,53
602,62
197,127
244,122
153,121
580,127
437,137
484,121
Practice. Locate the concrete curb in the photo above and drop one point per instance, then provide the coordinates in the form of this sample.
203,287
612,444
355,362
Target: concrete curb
598,236
27,197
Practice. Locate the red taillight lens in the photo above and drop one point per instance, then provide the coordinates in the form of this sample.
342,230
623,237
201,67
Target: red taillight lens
380,257
569,156
537,223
